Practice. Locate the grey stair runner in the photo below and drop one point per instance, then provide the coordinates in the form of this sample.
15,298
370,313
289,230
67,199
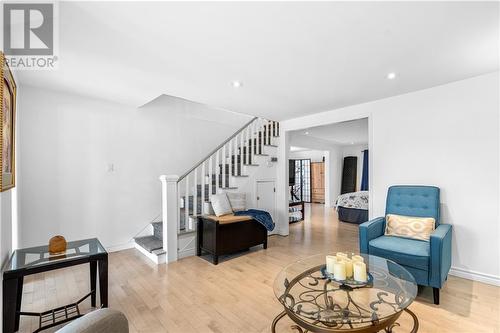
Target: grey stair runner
149,243
158,230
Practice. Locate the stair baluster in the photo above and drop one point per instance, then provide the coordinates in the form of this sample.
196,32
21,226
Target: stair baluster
234,155
210,173
247,146
203,173
240,152
186,205
223,163
230,148
217,170
195,192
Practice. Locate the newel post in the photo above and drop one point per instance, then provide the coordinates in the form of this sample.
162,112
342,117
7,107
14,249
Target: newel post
170,214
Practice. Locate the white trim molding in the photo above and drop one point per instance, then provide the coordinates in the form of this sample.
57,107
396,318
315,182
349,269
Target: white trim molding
170,217
475,276
158,257
120,247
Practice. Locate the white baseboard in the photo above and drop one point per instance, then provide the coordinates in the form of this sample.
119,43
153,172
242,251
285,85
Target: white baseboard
277,231
186,253
157,259
475,276
121,247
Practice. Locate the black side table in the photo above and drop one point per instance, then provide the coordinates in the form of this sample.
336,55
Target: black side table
34,260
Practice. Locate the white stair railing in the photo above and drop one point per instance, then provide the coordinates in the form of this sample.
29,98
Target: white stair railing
181,195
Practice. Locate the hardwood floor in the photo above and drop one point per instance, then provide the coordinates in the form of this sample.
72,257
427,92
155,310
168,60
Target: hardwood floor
192,295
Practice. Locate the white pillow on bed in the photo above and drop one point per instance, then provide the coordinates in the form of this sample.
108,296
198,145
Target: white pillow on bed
220,204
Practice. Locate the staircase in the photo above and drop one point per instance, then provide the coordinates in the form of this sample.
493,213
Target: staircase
229,167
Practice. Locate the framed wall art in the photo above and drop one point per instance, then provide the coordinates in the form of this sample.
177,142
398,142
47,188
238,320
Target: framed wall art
7,128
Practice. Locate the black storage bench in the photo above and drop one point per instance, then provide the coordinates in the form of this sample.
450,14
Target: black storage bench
228,234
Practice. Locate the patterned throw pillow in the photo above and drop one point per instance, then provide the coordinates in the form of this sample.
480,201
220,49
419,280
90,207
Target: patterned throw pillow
410,226
238,201
220,204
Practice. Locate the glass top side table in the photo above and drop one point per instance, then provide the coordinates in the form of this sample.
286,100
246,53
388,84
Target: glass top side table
37,259
317,304
33,257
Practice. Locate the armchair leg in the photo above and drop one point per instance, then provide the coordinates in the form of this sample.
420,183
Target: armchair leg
435,291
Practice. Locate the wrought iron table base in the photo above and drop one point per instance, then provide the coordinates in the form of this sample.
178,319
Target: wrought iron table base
367,329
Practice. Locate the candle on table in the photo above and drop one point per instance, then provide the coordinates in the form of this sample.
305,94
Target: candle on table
359,271
330,260
348,267
355,257
341,255
339,270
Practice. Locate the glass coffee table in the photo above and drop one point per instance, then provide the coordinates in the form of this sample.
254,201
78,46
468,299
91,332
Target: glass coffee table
317,304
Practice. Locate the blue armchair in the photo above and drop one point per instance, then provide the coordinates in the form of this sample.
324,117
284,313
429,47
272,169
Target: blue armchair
428,261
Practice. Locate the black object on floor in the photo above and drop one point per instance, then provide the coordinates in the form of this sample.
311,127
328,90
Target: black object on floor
227,238
352,215
349,174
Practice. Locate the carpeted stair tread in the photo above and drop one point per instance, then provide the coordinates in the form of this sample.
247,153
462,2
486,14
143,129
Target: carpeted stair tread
149,243
158,229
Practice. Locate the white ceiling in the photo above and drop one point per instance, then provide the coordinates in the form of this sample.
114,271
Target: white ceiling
353,132
293,58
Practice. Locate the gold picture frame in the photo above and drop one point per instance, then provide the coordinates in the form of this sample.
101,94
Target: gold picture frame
7,126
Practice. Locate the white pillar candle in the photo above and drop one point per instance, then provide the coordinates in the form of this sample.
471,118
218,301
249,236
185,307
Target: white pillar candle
355,257
341,255
339,270
359,271
330,260
348,267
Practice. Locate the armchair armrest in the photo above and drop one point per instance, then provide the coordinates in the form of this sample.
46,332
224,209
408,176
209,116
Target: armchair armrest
440,251
370,230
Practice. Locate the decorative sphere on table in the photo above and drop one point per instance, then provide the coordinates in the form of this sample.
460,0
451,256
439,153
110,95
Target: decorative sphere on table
57,244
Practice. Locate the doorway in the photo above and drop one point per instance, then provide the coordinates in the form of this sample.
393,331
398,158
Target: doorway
318,182
339,177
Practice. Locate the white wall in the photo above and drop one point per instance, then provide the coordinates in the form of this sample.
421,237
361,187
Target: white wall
67,144
356,150
266,171
7,211
313,155
5,226
5,233
333,175
446,136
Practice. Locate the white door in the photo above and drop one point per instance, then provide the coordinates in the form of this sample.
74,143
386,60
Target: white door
266,196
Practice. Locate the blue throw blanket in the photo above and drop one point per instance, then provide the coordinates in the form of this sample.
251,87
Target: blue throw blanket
260,216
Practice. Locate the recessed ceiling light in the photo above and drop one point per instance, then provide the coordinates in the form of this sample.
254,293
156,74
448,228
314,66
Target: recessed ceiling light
306,133
237,84
352,143
391,76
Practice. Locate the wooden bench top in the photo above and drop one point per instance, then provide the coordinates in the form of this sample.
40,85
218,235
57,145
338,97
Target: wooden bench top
229,218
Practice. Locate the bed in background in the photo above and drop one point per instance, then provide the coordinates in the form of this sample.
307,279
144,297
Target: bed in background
353,207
